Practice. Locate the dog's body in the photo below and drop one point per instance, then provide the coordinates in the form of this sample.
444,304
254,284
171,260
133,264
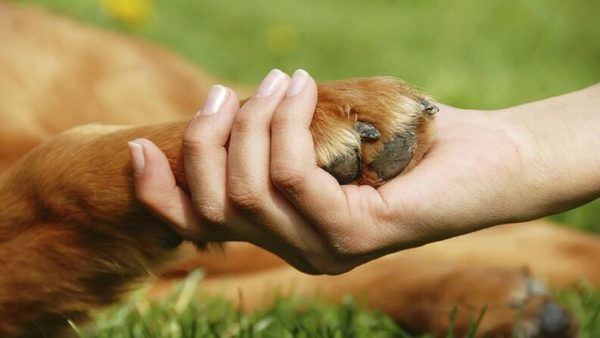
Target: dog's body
73,236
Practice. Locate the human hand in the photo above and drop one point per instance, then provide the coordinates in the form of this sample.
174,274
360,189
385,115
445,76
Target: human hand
232,196
267,189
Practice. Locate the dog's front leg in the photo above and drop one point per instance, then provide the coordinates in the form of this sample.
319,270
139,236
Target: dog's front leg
72,235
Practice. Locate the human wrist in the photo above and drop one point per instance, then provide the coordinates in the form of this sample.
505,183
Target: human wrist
558,149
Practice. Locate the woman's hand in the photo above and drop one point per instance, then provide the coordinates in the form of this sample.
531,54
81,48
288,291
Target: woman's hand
232,195
484,168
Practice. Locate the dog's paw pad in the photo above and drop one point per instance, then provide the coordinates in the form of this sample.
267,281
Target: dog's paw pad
383,118
345,167
554,321
395,155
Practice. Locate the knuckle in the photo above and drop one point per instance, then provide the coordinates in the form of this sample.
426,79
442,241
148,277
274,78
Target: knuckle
343,250
345,244
244,121
244,198
288,179
192,143
209,213
240,125
350,247
212,216
246,202
281,120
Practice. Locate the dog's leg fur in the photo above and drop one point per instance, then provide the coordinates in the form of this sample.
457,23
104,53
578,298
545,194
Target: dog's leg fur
72,236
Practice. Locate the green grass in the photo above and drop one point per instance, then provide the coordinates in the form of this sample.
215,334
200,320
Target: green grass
188,313
584,303
181,315
477,54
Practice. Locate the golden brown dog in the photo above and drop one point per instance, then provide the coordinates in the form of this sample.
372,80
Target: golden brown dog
73,237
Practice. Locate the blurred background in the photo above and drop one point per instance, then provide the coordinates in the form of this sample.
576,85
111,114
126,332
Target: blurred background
472,54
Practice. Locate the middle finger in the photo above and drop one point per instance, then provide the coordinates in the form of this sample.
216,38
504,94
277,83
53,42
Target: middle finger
254,198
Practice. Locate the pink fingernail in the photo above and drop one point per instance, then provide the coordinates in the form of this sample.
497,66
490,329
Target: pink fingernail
273,80
136,150
214,101
299,80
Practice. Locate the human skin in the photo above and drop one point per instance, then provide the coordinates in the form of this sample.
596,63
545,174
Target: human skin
484,168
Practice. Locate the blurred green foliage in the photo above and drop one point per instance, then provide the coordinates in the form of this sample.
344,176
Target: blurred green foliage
484,54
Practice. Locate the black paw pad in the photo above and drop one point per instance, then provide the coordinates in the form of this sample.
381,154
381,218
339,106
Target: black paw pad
554,321
345,168
395,155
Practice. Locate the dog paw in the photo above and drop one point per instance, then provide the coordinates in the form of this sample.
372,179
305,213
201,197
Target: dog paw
515,305
369,130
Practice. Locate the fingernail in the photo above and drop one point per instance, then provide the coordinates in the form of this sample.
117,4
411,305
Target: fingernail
137,157
270,83
214,101
299,80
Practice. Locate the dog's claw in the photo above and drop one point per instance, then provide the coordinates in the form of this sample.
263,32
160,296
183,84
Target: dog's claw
428,107
367,131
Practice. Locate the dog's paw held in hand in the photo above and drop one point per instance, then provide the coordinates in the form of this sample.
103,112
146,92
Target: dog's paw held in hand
367,131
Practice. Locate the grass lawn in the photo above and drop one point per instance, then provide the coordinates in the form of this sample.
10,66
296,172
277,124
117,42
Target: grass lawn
182,316
477,54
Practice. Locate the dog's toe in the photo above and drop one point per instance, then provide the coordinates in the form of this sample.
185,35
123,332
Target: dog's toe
367,131
395,155
554,321
346,167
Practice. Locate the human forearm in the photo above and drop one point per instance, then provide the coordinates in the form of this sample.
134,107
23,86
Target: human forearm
560,149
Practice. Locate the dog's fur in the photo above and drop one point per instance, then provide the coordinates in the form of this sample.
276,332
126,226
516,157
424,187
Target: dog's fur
73,237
